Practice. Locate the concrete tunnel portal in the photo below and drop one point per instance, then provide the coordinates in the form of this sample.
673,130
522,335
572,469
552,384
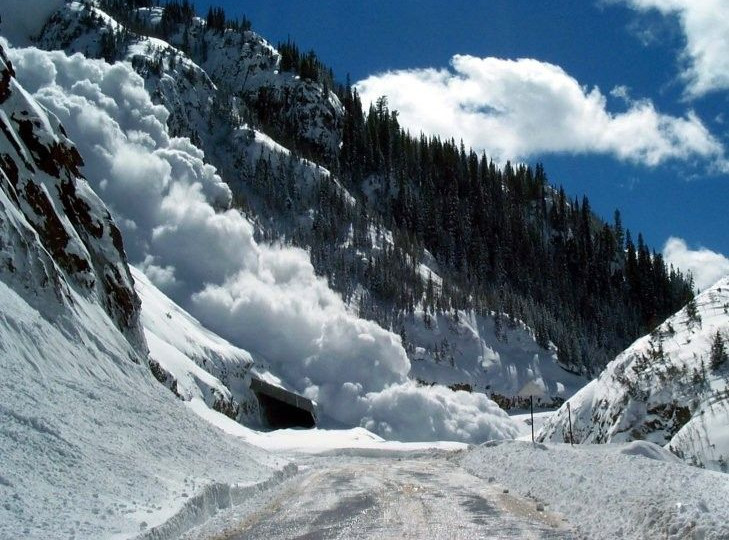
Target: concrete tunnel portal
281,409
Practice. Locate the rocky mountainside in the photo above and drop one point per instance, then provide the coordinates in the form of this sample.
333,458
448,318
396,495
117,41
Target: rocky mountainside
58,236
670,387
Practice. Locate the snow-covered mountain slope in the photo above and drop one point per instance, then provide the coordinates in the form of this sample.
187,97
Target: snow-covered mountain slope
490,354
191,360
663,388
267,176
91,444
226,75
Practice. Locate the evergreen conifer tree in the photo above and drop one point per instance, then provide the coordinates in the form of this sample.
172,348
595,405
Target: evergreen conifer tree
718,355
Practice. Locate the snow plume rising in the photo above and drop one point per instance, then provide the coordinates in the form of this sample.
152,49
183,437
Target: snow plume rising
519,108
706,266
173,210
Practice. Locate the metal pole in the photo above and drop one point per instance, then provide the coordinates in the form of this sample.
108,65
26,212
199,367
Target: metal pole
531,409
569,416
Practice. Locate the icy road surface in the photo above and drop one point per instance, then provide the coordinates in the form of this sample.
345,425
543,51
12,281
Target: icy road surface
411,496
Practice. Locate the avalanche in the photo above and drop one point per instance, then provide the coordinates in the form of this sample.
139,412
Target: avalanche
173,211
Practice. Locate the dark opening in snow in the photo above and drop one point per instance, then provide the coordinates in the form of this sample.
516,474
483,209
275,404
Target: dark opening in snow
279,415
282,409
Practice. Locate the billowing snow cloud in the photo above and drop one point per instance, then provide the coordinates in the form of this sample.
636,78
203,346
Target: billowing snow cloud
514,109
705,265
174,213
705,24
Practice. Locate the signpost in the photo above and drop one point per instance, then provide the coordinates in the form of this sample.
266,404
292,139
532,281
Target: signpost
569,417
532,389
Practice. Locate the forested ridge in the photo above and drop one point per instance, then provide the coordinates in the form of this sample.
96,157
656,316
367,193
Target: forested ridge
506,242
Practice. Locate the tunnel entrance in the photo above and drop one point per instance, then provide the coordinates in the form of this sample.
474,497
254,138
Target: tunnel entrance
281,409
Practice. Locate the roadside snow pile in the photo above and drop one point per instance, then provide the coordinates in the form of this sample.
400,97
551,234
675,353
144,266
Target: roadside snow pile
91,445
611,491
173,210
664,388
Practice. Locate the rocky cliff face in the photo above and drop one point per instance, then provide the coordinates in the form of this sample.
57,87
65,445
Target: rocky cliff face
56,233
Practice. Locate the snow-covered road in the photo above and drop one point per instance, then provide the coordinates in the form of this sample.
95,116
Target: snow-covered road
410,496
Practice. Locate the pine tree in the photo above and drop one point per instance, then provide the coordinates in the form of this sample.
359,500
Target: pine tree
718,355
693,312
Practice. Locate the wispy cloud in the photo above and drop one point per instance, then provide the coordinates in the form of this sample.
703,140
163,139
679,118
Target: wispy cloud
705,265
518,108
705,24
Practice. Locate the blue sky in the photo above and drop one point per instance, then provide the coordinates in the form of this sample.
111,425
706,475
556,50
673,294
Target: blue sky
643,84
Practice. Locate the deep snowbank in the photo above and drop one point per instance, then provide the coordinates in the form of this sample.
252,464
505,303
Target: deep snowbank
171,207
634,490
92,446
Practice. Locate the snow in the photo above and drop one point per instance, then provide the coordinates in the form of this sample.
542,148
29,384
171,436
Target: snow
315,441
91,445
662,389
634,490
524,421
501,359
201,364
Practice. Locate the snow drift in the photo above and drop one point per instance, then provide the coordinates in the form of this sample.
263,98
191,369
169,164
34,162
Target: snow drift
629,491
173,210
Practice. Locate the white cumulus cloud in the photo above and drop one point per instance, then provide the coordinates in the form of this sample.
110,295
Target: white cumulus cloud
514,109
705,24
175,216
705,265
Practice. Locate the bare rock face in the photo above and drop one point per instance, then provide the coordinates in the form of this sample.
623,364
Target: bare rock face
55,233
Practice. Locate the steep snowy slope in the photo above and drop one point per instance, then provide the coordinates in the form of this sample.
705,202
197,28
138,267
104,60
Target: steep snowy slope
202,75
91,445
663,388
490,354
192,361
